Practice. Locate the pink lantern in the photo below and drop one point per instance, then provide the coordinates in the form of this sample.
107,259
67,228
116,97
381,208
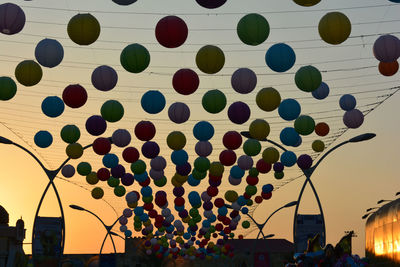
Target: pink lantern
104,78
156,175
203,148
244,80
353,118
158,163
68,171
387,48
245,162
12,18
127,213
121,138
234,181
179,112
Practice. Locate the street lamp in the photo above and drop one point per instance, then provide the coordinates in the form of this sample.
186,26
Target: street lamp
51,175
107,227
308,172
261,225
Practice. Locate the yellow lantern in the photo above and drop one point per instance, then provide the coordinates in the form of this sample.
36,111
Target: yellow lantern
334,28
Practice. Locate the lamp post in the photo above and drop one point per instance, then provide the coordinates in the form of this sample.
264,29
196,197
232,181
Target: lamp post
107,227
260,226
51,175
308,173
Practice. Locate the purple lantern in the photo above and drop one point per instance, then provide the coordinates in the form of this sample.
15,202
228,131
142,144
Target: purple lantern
387,48
203,148
150,149
245,162
68,171
179,112
127,179
244,80
12,18
121,138
156,175
211,3
104,78
158,163
304,161
234,181
184,169
239,112
96,125
353,118
118,171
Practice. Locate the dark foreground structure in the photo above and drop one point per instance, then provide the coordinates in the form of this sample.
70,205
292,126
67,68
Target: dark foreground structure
247,252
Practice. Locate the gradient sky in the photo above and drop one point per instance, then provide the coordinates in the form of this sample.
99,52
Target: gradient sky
349,181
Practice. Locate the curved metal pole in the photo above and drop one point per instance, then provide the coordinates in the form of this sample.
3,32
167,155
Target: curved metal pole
102,244
108,229
308,174
51,174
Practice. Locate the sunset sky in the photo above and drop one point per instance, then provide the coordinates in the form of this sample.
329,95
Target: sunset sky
348,181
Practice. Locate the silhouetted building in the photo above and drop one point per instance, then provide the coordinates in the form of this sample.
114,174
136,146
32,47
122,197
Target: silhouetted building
11,238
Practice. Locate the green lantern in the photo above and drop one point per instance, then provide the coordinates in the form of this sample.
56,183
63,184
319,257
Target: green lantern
135,58
119,191
202,164
70,134
308,78
214,101
8,88
84,168
112,111
252,147
304,125
253,29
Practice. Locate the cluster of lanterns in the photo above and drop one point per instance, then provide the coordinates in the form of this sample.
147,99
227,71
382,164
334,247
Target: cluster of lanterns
387,50
189,235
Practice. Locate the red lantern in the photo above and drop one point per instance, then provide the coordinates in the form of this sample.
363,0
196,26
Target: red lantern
103,174
258,199
262,166
74,96
321,129
171,31
252,180
266,195
212,191
185,81
388,68
130,154
101,146
145,130
232,140
227,157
